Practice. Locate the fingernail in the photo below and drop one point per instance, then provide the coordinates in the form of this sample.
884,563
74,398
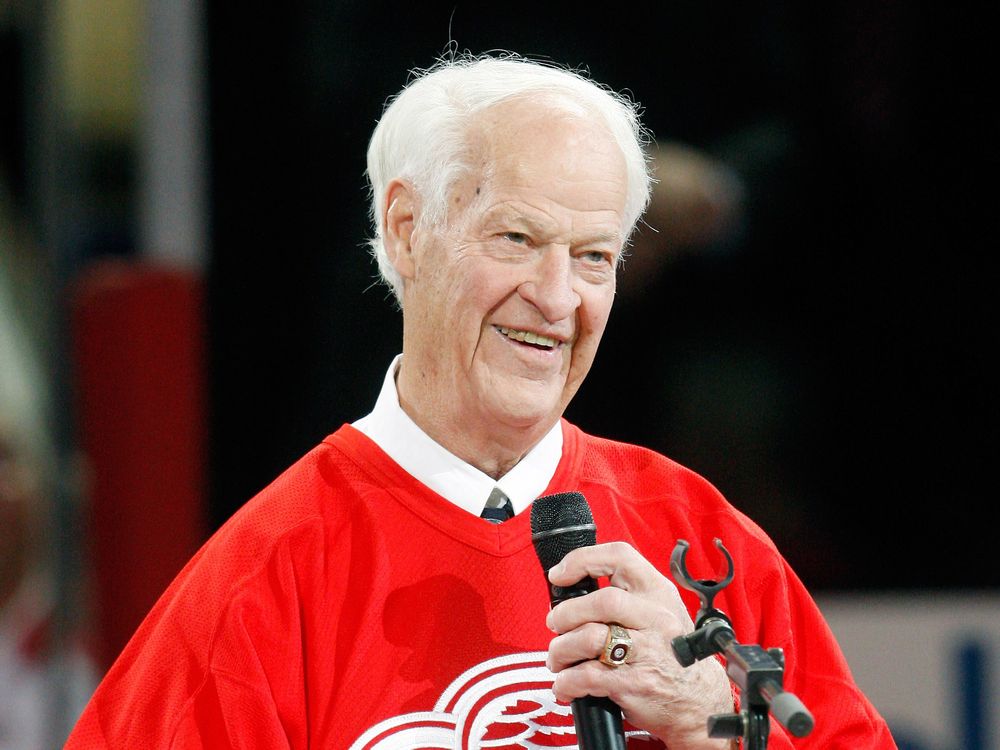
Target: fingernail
548,622
557,570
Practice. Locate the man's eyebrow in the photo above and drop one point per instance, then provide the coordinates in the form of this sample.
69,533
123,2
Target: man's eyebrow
512,215
600,238
523,219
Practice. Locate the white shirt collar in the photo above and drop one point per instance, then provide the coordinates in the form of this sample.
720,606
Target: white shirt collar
449,476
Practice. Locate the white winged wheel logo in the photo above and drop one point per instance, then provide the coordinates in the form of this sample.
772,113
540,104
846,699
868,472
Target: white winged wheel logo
504,703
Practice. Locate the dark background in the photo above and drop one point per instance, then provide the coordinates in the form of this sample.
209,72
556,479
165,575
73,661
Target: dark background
830,370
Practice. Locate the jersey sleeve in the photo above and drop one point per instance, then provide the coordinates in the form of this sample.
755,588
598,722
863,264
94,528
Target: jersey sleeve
816,672
211,667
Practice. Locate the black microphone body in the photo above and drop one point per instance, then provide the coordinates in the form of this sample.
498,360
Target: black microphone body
560,523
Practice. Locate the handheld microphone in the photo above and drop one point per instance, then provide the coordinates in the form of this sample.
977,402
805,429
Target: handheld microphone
560,523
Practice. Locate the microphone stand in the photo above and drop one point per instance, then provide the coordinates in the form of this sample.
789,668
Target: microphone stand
758,673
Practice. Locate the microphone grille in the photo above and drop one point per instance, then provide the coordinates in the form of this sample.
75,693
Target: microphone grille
552,513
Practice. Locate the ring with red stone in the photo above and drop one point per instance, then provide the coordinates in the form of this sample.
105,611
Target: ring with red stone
617,646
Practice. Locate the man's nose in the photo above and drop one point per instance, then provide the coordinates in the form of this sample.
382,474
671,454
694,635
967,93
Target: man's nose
551,287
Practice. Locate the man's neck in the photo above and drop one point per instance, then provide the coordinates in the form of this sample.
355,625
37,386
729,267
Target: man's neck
494,452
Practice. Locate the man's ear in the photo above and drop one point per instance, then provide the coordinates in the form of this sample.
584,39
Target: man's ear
400,219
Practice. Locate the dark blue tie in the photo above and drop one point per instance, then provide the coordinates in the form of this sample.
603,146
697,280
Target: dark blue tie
498,507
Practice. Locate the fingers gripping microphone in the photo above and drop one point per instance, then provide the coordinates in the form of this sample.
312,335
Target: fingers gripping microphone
560,523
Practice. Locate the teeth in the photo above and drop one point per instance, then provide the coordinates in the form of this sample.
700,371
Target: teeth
528,337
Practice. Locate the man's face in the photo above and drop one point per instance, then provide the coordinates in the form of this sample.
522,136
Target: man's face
508,301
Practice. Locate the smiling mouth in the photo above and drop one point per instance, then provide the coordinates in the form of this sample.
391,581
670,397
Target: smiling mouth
536,340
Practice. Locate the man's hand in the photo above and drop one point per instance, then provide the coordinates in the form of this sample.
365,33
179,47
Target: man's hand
654,692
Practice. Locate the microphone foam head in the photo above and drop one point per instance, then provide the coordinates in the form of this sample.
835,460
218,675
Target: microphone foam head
560,523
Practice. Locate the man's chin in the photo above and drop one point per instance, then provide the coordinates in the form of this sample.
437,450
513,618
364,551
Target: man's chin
528,413
515,401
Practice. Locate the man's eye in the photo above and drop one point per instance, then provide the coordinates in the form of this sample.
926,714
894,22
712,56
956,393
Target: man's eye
518,237
596,256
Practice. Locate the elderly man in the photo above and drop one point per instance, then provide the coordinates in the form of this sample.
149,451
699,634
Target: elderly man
384,592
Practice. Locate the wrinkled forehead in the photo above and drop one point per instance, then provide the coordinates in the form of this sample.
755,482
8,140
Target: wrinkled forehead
532,148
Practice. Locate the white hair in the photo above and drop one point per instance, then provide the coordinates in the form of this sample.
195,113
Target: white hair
423,135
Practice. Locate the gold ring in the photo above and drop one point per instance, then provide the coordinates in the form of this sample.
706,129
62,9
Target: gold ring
617,647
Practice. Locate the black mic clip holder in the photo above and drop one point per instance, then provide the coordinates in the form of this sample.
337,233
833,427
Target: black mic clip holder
758,673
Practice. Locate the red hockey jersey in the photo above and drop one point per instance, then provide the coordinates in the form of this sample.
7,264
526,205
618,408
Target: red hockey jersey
348,606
